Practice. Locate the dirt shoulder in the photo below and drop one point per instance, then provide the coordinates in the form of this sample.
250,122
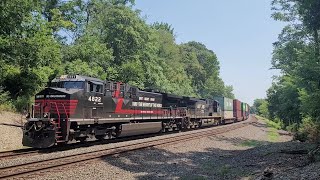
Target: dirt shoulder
11,134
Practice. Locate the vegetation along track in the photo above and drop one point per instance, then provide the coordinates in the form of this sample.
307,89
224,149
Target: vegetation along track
38,168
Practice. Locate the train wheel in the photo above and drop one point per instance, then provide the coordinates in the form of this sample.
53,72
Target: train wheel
116,133
185,123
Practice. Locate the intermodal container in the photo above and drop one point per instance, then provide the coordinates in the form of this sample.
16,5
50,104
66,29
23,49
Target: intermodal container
243,109
226,106
237,110
247,111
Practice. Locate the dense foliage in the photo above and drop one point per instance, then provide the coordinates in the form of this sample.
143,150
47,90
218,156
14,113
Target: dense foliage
294,97
41,39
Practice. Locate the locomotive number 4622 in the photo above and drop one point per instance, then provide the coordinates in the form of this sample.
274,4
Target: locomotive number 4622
94,99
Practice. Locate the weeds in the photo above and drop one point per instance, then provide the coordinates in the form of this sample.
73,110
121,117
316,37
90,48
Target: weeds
273,128
271,124
273,135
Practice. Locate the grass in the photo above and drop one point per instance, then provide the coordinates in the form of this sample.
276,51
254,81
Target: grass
273,128
273,135
251,143
270,123
8,107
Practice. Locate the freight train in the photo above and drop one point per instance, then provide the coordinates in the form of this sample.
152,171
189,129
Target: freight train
76,107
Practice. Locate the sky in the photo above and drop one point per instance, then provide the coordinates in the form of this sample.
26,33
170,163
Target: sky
241,34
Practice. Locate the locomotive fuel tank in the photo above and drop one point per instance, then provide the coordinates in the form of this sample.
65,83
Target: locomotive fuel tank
134,129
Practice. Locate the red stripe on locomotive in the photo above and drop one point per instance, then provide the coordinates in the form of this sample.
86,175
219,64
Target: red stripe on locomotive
69,105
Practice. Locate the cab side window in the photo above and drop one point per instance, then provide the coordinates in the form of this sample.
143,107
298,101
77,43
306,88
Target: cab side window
92,87
99,88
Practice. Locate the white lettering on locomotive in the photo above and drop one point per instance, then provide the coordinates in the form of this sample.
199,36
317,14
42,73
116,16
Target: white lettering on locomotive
146,112
55,96
94,99
144,104
39,96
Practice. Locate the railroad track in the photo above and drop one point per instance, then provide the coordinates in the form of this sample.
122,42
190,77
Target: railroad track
38,168
17,153
8,155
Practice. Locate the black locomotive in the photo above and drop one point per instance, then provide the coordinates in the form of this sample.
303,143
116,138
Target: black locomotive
77,107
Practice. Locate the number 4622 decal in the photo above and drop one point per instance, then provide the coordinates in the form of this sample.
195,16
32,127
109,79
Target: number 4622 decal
94,99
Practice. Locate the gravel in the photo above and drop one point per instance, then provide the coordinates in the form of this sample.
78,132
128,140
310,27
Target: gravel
245,153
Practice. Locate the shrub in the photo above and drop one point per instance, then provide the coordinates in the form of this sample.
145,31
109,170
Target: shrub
22,103
5,102
294,127
309,130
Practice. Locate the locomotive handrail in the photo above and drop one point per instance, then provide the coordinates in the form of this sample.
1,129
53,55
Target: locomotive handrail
65,111
58,113
33,109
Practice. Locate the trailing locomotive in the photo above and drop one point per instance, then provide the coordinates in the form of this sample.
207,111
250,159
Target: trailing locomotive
77,107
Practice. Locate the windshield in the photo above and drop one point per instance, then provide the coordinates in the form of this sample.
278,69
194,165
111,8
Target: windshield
69,84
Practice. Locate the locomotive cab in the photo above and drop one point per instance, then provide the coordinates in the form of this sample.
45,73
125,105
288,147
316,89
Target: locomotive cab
49,122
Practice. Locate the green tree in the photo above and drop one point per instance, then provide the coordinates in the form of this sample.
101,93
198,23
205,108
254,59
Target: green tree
202,67
261,107
297,50
284,101
29,53
101,38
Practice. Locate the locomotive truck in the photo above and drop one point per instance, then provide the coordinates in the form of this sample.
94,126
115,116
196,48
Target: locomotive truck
76,107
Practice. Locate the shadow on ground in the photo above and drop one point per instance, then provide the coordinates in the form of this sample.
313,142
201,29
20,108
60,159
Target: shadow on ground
213,163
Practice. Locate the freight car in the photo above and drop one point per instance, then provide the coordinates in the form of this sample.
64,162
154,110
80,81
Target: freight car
77,107
226,105
237,110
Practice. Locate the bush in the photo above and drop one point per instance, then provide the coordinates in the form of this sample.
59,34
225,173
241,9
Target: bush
7,107
5,102
294,127
309,130
22,103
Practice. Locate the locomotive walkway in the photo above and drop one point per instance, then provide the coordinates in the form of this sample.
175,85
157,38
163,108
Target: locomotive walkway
57,164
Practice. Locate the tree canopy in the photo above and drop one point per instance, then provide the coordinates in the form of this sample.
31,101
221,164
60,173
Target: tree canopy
108,39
